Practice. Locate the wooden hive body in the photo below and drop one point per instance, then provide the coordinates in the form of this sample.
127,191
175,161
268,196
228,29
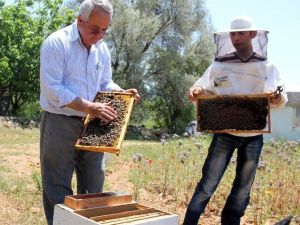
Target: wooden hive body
111,210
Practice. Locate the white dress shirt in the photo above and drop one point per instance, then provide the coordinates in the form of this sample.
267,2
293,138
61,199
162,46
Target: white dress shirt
68,70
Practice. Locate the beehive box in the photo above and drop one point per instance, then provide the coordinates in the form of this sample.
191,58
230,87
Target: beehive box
100,137
84,201
121,214
233,113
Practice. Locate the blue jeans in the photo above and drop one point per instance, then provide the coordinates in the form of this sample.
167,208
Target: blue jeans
59,159
219,154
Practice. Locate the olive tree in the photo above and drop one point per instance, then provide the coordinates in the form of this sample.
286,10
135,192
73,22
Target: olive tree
24,25
161,47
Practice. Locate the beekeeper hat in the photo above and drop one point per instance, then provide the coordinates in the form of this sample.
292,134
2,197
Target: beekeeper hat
241,23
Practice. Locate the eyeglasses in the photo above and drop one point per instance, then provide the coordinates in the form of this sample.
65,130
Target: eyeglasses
95,30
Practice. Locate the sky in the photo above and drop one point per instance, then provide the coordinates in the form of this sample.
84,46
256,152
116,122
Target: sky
280,17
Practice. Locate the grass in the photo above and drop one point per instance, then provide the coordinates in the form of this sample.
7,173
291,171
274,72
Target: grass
21,190
24,199
169,169
173,168
12,136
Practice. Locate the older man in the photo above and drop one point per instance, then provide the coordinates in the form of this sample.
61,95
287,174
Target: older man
240,67
75,65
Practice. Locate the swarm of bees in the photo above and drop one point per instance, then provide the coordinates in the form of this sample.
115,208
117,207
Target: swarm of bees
232,113
97,133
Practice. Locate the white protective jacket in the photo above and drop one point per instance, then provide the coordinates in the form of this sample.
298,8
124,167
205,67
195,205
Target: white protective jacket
223,78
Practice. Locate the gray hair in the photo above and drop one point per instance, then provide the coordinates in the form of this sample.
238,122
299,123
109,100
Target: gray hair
87,6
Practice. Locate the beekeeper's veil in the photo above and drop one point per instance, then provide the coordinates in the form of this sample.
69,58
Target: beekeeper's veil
223,42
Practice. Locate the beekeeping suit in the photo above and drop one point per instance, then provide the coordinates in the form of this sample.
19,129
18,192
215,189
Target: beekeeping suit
229,74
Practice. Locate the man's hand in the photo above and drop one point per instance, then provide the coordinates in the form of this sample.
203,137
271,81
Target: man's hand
135,93
275,99
103,111
194,92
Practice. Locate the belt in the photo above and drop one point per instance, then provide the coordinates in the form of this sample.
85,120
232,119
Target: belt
77,117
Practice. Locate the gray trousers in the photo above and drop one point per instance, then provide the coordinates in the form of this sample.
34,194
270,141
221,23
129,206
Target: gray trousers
59,159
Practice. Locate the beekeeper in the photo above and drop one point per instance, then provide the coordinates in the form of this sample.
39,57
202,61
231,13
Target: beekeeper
240,66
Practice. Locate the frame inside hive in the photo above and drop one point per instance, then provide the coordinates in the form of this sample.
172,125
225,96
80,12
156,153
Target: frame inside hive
84,201
234,113
115,146
121,214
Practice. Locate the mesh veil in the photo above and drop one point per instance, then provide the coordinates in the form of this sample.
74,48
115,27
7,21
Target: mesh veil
224,46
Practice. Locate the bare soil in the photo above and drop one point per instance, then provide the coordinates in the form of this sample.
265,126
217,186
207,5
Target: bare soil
23,159
8,212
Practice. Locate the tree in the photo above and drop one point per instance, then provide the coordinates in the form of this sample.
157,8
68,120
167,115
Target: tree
160,47
156,47
24,25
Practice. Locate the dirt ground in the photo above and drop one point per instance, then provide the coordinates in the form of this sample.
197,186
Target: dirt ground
26,158
8,211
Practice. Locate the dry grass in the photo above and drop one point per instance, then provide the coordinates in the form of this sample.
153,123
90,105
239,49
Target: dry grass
172,169
161,175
